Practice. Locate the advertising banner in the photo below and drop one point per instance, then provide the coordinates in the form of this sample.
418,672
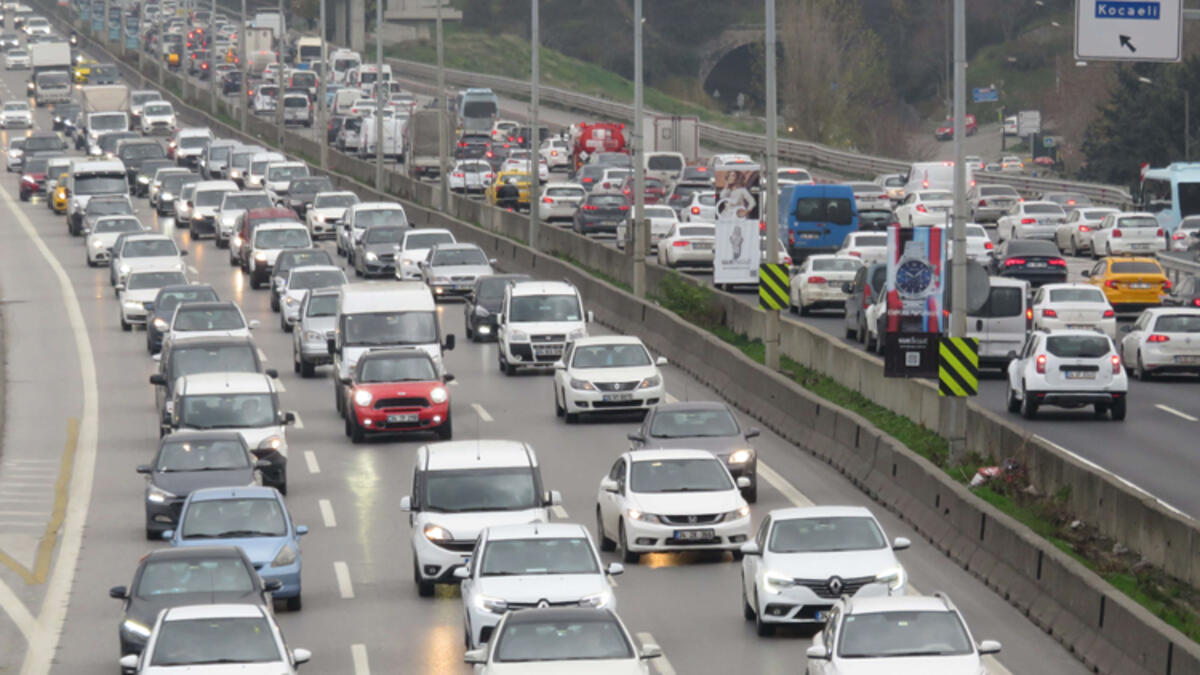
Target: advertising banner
738,248
916,279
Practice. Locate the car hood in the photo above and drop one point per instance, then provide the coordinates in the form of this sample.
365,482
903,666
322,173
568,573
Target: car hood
379,248
635,374
145,610
181,483
106,238
466,526
606,667
718,445
277,668
351,354
320,324
142,295
546,327
414,254
683,503
460,270
260,550
535,587
154,263
845,564
967,664
330,212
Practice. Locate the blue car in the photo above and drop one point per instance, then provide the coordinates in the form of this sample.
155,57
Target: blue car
253,518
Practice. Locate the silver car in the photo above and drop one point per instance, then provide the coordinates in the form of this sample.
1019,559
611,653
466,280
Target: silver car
702,425
451,269
299,282
989,202
316,320
104,234
870,196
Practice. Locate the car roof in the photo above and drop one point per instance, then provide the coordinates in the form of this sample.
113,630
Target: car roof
192,553
1155,311
1041,202
559,615
314,268
535,287
207,341
575,186
821,512
289,225
197,435
240,492
898,603
659,454
202,384
536,531
452,455
199,612
688,406
456,246
1131,258
608,340
1070,285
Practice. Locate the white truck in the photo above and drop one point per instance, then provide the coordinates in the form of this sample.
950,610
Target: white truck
421,144
49,61
106,109
272,20
671,143
393,137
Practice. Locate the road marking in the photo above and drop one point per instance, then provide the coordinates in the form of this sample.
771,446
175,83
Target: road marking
195,272
261,355
17,611
559,512
359,654
1176,412
612,581
23,513
483,414
345,587
299,423
310,458
1100,469
671,399
279,387
661,664
780,483
327,512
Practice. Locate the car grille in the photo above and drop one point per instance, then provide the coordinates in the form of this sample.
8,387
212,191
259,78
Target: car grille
616,386
463,277
407,402
547,338
532,605
387,257
693,519
821,586
632,403
457,546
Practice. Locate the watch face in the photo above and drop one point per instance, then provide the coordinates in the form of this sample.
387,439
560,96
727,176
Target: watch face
913,277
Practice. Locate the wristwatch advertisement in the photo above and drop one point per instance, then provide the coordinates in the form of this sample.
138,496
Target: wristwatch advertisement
915,280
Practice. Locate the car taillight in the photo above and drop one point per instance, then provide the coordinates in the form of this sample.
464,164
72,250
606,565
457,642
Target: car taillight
1028,221
1041,363
854,254
1111,283
1166,284
921,207
554,153
1116,233
983,202
1116,361
489,154
461,144
1110,314
883,196
1084,228
547,200
459,174
1159,233
816,280
1049,314
590,207
925,184
1029,314
1196,302
1014,261
681,243
695,210
1178,236
989,245
625,208
1158,337
1057,262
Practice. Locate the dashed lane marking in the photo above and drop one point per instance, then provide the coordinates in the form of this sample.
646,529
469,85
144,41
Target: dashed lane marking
345,587
279,387
327,512
310,458
358,652
559,512
661,665
483,414
299,423
1175,412
261,355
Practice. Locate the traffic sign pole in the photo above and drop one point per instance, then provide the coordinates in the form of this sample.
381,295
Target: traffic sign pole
956,427
1127,30
768,202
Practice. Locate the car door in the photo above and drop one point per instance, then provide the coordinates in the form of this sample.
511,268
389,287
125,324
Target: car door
1133,339
1100,235
827,637
612,505
561,375
1064,232
1039,298
752,563
1003,321
1017,365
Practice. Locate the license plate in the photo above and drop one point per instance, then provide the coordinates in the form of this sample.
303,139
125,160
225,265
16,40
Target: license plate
1078,326
1081,374
702,246
618,397
834,284
693,535
819,615
400,419
810,235
1139,286
1188,360
547,349
1141,246
1036,264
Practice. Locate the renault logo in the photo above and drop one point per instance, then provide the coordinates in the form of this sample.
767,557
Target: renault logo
543,604
835,585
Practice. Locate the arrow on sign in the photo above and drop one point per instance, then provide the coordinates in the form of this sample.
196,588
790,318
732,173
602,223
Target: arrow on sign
1126,43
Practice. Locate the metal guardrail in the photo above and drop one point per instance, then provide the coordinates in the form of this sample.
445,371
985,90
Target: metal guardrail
1179,265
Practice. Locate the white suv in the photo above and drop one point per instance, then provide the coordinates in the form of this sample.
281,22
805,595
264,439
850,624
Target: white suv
606,374
804,559
461,487
1069,369
536,321
269,239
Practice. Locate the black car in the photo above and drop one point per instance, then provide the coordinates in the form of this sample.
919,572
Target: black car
286,260
202,355
104,73
42,142
133,151
108,142
64,113
1037,261
375,251
145,174
193,460
301,192
172,185
481,306
522,136
589,176
231,82
175,577
601,213
474,147
160,312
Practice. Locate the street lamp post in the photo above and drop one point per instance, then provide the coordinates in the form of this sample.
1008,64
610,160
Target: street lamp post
637,245
957,406
241,98
322,74
379,99
280,47
535,137
768,202
443,105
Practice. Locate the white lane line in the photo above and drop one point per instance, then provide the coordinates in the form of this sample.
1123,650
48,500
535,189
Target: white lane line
1175,412
780,483
671,399
559,512
483,414
345,587
195,272
24,513
17,611
299,423
358,652
310,458
1102,470
262,355
279,387
661,665
612,581
327,512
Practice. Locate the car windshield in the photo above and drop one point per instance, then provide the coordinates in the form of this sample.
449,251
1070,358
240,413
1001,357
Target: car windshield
606,201
1032,247
291,237
664,163
149,248
245,201
384,234
99,185
295,101
277,173
143,151
564,192
1136,267
194,141
1054,209
512,557
679,475
1077,346
369,217
580,640
391,328
36,164
188,360
1077,295
417,368
323,305
202,455
112,225
315,279
423,240
228,411
169,300
310,185
883,634
158,109
16,106
1177,323
334,201
244,517
173,182
40,143
496,489
823,535
935,196
101,121
610,356
535,308
835,265
140,281
219,152
459,256
174,577
210,197
693,424
697,231
302,258
1137,221
208,318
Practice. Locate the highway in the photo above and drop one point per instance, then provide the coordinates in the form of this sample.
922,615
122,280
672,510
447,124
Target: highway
361,613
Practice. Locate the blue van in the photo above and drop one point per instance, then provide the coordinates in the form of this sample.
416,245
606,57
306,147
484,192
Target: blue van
816,218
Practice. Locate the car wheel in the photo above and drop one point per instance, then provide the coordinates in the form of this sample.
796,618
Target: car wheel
295,361
125,326
606,544
747,610
294,604
559,410
337,396
1029,406
274,302
283,324
470,333
508,368
1108,249
254,284
1014,405
862,330
762,629
306,369
571,418
871,340
1118,409
630,557
153,534
446,431
750,494
1140,372
357,435
424,588
851,334
1101,409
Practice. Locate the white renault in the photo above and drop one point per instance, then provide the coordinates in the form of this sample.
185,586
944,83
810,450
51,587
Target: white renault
269,240
1073,306
299,281
536,321
461,487
143,252
803,559
613,373
531,565
1068,369
671,500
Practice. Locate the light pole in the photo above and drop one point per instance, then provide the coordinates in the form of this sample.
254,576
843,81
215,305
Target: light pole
443,105
768,201
379,95
957,406
280,46
241,98
212,59
322,131
637,248
535,137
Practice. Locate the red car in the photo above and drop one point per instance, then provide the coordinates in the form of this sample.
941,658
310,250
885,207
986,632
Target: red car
946,131
653,190
396,391
33,177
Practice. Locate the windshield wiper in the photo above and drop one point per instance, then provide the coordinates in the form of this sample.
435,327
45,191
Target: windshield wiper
249,533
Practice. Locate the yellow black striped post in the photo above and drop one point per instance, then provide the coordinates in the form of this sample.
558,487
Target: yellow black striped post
958,366
773,287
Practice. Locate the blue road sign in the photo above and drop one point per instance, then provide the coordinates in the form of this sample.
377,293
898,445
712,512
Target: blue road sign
986,94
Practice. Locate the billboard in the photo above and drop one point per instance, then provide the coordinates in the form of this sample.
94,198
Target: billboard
738,248
913,296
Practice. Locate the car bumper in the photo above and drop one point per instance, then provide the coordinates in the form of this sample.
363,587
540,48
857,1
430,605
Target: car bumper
1046,232
557,212
988,214
1135,247
290,311
319,228
288,575
929,219
378,267
598,225
452,289
436,563
696,258
101,255
134,316
1037,278
643,537
1074,399
802,605
1163,361
316,353
523,354
164,515
823,294
427,419
577,401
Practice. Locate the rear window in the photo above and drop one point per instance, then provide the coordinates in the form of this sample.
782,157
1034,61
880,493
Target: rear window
1077,295
1043,208
564,192
997,191
1032,247
1003,301
607,200
819,209
664,163
869,241
698,231
1142,221
1178,323
1078,346
1136,267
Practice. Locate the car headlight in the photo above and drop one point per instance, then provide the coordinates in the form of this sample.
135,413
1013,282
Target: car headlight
363,398
160,325
437,533
135,628
167,196
598,600
438,395
582,385
143,179
634,514
652,381
123,269
159,495
286,556
371,256
490,604
518,336
97,244
741,456
289,300
742,512
894,577
481,312
313,336
132,306
776,582
576,334
261,256
272,443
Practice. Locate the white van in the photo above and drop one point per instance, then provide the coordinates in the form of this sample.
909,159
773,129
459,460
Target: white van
340,63
393,137
1002,323
933,176
376,315
343,100
536,321
665,166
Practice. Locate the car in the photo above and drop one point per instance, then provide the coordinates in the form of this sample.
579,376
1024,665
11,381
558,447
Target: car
171,198
1186,236
169,578
289,260
537,320
945,130
1073,306
1130,284
481,306
518,162
1163,340
661,219
208,319
268,240
144,251
803,559
1074,234
191,356
17,59
16,114
654,190
414,248
1069,368
301,192
265,99
191,638
33,177
988,202
556,153
869,195
1011,164
979,245
327,211
239,162
510,190
205,202
315,323
451,269
699,206
925,207
229,213
894,634
103,235
106,205
818,283
363,215
1127,234
502,130
214,165
277,179
1034,260
461,488
869,247
191,460
688,245
158,117
893,184
613,374
161,311
671,500
860,294
376,407
156,180
297,109
522,566
559,640
139,289
560,201
974,162
1186,293
58,198
15,155
299,282
1070,201
374,253
144,176
187,145
138,98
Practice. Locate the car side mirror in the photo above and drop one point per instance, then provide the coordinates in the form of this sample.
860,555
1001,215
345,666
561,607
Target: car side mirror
650,651
615,569
461,573
553,498
263,464
331,346
289,417
753,432
448,346
168,534
817,652
750,548
301,530
609,485
128,662
158,380
491,261
301,656
989,647
636,436
118,592
271,373
253,324
591,316
660,361
145,468
900,543
406,503
272,585
475,656
1011,356
560,365
447,378
119,287
743,482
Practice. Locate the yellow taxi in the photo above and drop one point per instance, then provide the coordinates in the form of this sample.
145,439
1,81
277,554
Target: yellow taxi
1130,284
58,200
83,70
510,190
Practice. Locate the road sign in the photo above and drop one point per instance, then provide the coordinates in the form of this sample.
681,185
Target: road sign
773,287
958,366
1049,142
985,94
1129,30
1029,122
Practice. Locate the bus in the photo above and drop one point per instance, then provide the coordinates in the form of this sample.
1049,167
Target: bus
1171,193
816,218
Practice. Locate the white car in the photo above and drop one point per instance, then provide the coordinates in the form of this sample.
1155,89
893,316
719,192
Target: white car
522,164
688,244
803,559
139,290
1128,234
267,242
362,215
556,153
517,567
612,181
158,117
818,282
1074,235
973,162
17,59
1186,234
502,129
266,98
233,205
925,207
1030,220
869,247
471,176
893,184
870,196
662,219
279,176
327,212
1011,164
16,114
299,282
575,640
729,159
979,244
208,319
103,235
671,500
606,374
560,201
1163,340
899,634
414,248
989,202
1071,369
145,251
700,207
193,638
1073,307
795,174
